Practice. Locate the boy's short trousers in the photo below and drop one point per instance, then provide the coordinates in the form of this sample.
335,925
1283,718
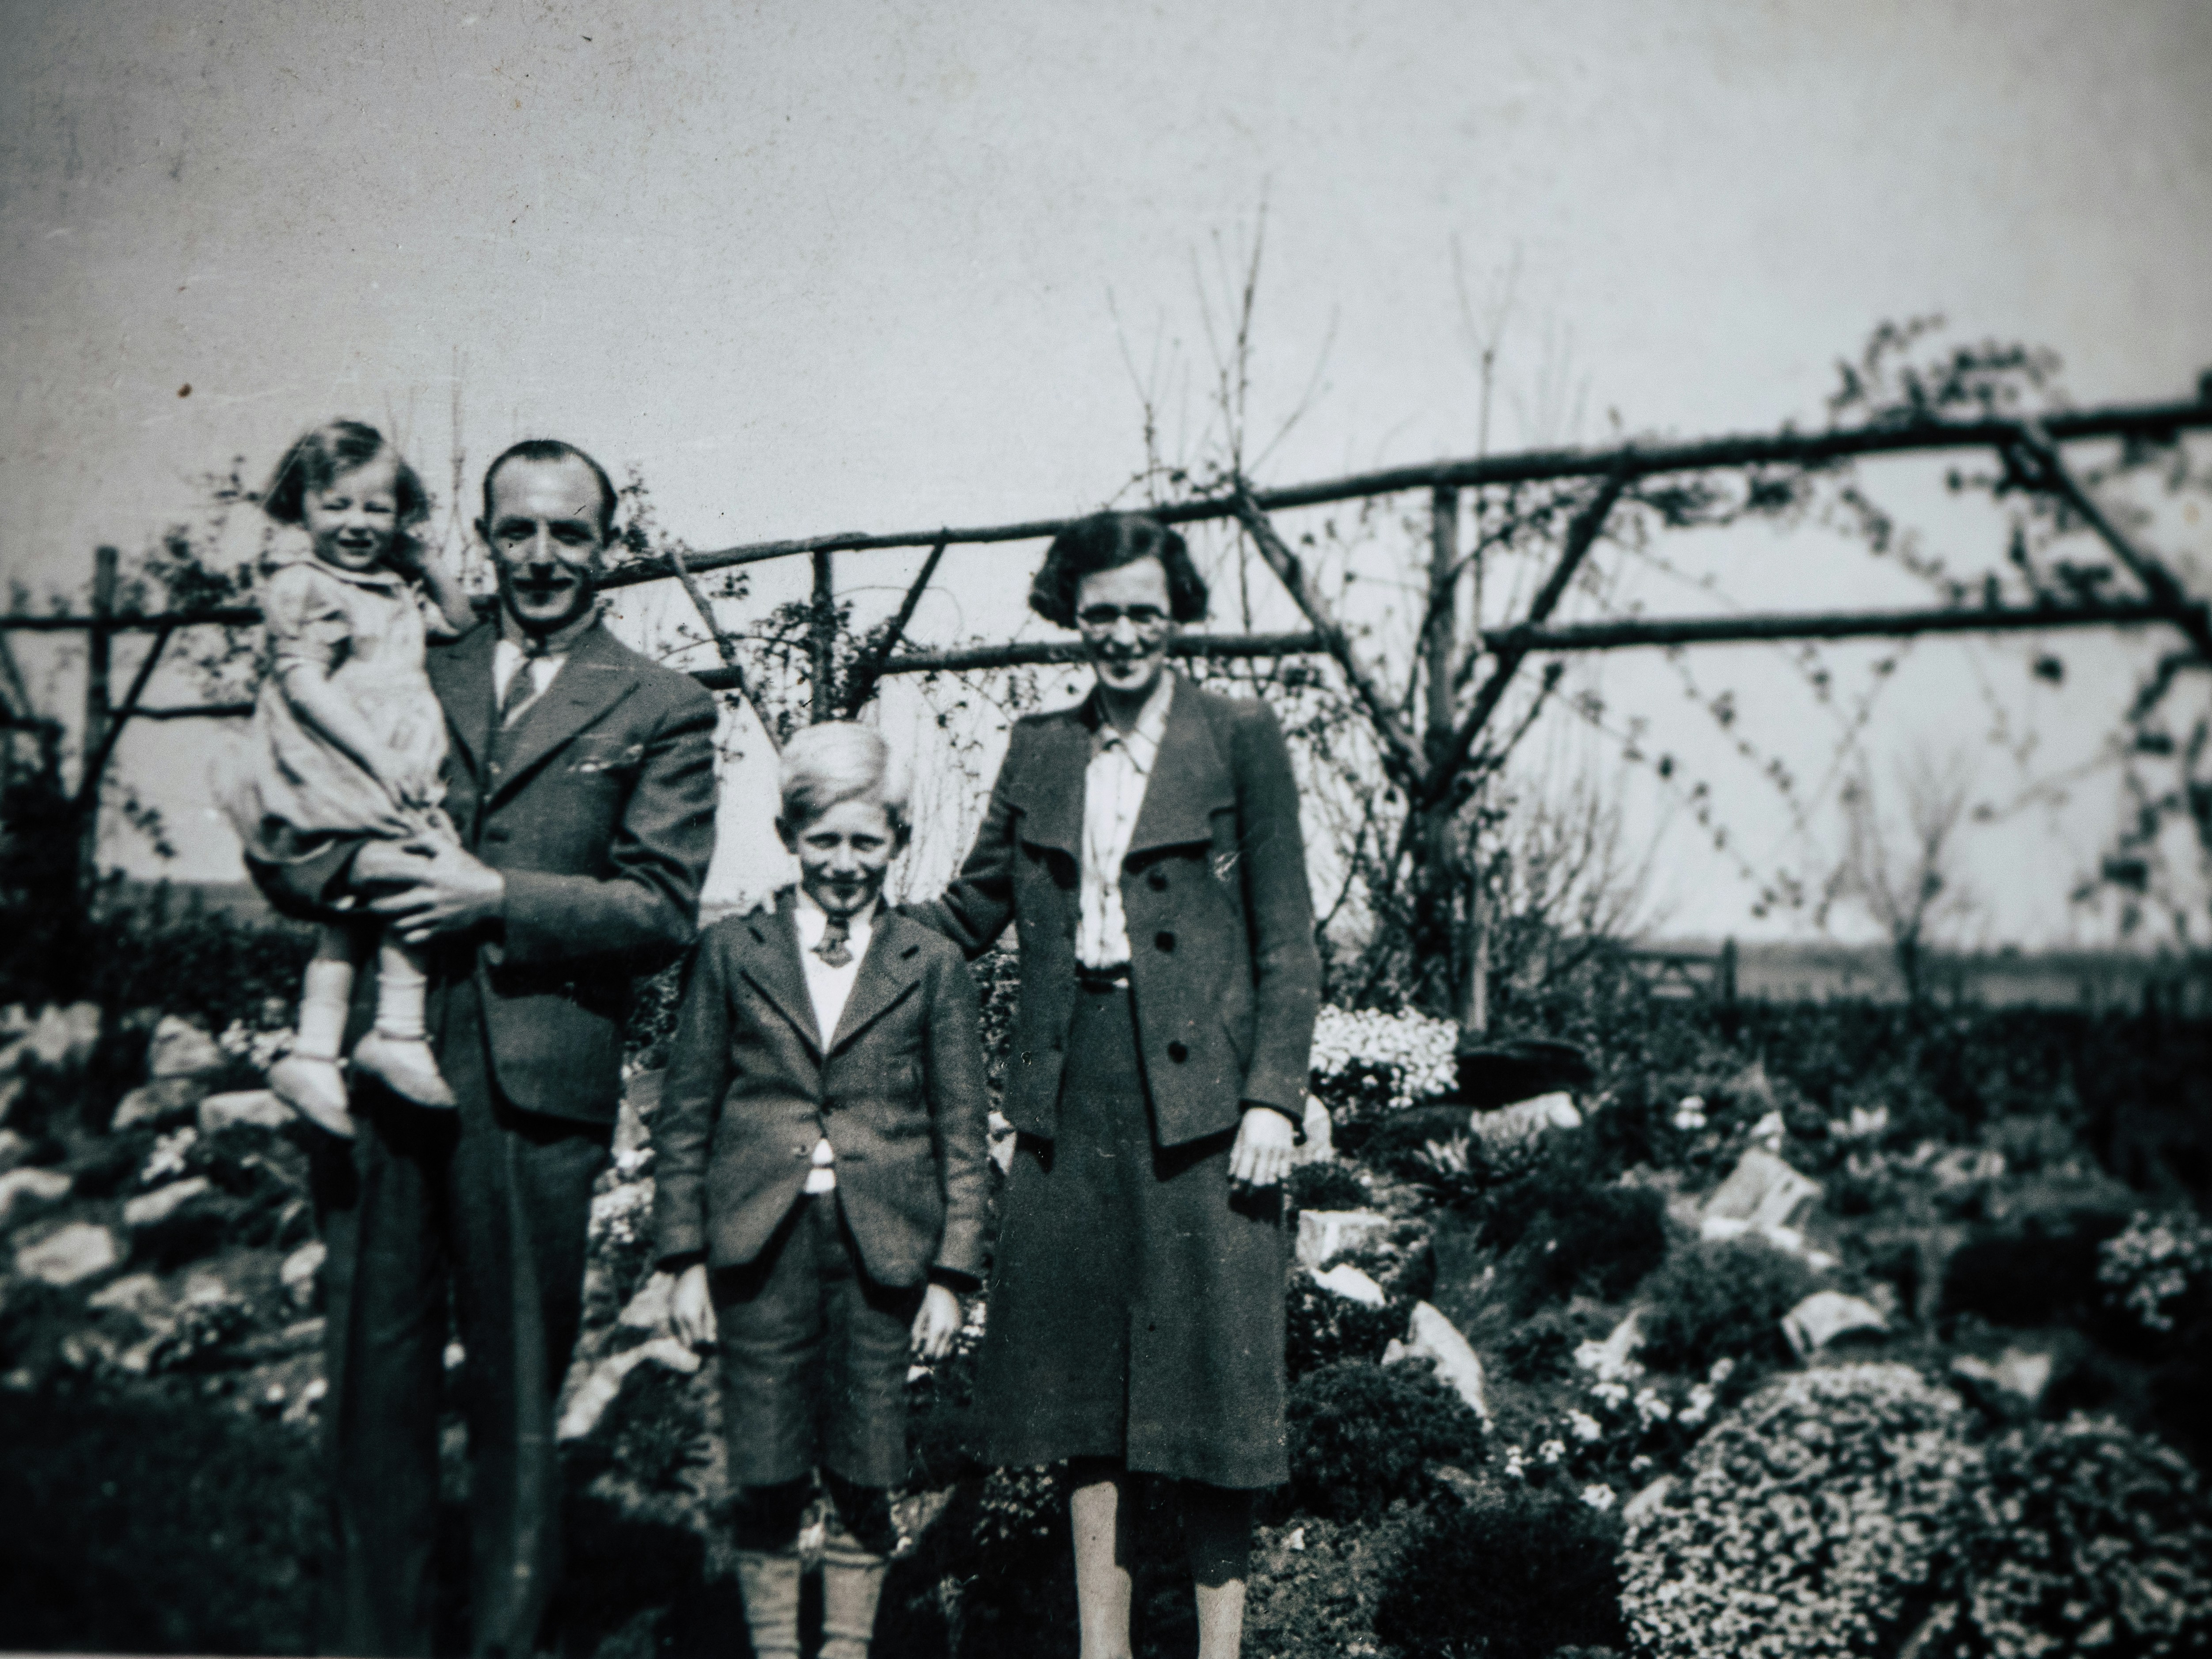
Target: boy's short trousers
814,1357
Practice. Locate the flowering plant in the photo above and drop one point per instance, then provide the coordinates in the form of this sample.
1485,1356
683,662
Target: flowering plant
2149,1268
1623,1429
1366,1062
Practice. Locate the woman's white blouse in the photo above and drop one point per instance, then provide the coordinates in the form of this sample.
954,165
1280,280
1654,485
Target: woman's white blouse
1113,795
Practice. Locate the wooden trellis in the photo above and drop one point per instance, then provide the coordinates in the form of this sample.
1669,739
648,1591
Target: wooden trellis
1428,764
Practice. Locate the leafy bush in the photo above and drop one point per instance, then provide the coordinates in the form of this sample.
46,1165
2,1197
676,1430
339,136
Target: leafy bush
1328,1186
1540,1346
1515,1574
1323,1327
1804,1524
1360,1433
1722,1300
1599,1240
2149,1268
2079,1538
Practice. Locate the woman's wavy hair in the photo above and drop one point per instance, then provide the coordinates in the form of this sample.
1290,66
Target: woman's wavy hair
1106,541
331,449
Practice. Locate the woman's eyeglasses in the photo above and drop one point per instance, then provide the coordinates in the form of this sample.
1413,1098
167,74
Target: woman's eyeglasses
1101,618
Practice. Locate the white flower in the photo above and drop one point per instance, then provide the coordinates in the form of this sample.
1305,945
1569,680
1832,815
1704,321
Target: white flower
1419,1052
1724,1368
1598,1497
1552,1451
167,1157
1638,1463
1585,1426
1651,1409
1768,1132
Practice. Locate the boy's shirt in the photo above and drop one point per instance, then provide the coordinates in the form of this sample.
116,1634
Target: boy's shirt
829,989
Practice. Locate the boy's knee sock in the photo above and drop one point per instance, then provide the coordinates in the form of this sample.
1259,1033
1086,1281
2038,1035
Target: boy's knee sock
769,1581
401,987
852,1585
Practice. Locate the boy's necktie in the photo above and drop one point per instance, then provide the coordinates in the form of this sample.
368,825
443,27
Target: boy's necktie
832,949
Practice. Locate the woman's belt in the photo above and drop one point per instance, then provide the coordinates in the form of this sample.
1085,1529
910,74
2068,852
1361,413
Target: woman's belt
1101,979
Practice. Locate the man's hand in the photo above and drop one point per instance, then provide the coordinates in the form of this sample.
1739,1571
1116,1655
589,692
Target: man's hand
937,1324
432,887
691,1308
1261,1156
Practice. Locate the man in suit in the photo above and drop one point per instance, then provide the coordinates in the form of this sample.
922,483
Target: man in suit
820,1144
581,785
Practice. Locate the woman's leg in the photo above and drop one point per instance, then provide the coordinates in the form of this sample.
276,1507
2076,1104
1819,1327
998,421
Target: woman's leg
1099,1509
307,1080
1217,1525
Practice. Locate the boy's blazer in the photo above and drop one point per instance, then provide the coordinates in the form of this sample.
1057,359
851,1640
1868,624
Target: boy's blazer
898,1089
1222,962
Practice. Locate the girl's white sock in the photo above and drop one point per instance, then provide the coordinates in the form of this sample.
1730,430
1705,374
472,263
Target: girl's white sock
324,998
401,983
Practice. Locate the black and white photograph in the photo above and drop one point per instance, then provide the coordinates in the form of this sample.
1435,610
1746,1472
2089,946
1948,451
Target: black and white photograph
1033,831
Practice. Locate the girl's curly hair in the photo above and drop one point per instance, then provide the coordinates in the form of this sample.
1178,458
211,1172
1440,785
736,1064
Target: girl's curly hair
335,447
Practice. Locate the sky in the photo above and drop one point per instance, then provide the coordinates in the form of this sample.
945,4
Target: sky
832,265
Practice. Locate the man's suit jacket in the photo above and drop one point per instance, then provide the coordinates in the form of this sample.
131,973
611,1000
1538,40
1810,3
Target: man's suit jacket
1222,966
598,808
897,1089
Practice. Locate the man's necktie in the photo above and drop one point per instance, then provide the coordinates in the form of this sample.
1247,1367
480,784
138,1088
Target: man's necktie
832,949
522,689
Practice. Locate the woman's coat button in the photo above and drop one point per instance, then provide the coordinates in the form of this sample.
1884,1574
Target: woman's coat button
1158,879
1177,1053
1165,941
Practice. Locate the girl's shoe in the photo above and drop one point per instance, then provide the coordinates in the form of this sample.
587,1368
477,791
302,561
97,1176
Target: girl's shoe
314,1090
405,1066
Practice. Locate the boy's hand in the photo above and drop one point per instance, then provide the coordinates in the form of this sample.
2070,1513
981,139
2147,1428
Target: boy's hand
937,1324
691,1308
1261,1156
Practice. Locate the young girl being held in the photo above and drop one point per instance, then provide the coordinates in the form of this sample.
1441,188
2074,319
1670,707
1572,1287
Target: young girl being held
349,737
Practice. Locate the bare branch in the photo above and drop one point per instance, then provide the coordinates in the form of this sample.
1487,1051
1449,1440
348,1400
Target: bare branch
860,683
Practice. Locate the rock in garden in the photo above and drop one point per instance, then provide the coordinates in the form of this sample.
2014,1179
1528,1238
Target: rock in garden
648,1309
1529,1118
1648,1501
258,1107
24,1194
1324,1235
1719,1229
604,1386
1347,1281
1761,1191
139,1294
11,1090
2014,1384
1826,1316
180,1048
152,1209
1608,1359
1430,1335
74,1254
159,1104
60,1038
1321,1143
301,1275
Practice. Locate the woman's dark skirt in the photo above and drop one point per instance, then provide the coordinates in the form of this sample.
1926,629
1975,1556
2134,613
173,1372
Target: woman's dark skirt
1136,1312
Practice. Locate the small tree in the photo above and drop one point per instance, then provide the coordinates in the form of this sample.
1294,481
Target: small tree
1908,875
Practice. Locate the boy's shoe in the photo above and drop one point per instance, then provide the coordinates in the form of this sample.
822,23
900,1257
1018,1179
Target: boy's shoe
405,1065
314,1090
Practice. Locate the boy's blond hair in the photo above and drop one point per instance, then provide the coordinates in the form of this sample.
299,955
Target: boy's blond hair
837,760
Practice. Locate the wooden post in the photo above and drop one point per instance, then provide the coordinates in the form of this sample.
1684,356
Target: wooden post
1728,973
822,642
1443,958
98,652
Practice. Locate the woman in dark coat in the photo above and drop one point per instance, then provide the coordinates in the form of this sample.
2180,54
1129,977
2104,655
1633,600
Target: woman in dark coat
1145,844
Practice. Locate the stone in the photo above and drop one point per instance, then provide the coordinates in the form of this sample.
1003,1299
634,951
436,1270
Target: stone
258,1107
648,1309
1648,1502
139,1294
1826,1316
76,1253
1320,1139
1347,1281
1324,1235
1762,1191
2014,1384
180,1048
1609,1359
1430,1335
1000,1128
25,1194
1526,1118
61,1039
161,1105
603,1385
151,1209
301,1275
1717,1229
15,1150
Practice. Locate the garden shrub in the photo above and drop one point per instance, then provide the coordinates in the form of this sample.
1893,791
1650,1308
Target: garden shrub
2082,1538
2039,1267
1601,1240
1360,1434
1322,1328
1540,1346
1721,1300
1807,1524
1514,1575
1330,1185
2149,1268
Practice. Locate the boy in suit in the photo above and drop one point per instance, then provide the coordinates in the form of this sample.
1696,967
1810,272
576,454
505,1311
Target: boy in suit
820,1181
